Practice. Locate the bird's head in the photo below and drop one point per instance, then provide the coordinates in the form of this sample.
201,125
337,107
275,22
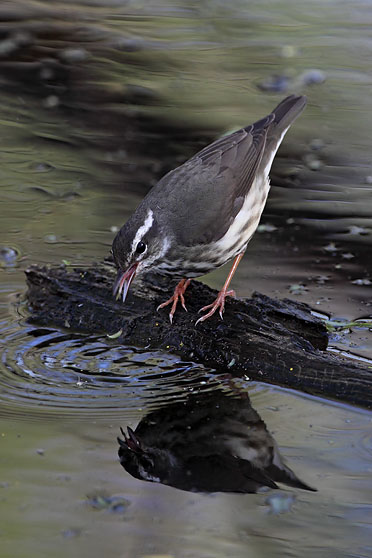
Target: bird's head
136,248
144,462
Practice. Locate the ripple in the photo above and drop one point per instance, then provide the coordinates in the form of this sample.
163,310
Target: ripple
48,369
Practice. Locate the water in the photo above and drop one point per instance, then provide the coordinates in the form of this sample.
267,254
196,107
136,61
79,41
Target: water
75,161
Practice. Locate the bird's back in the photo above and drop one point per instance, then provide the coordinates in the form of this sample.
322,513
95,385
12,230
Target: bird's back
201,198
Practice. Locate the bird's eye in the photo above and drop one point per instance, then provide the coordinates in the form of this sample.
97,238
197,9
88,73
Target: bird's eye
141,247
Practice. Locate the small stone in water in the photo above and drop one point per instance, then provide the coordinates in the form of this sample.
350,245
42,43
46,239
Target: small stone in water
50,238
8,256
313,77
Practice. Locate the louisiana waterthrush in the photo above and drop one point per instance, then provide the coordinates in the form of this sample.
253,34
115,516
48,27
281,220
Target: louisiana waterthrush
203,214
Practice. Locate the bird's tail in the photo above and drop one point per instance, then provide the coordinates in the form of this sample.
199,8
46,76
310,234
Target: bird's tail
286,113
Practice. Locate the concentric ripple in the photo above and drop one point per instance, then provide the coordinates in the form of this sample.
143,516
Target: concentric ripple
49,368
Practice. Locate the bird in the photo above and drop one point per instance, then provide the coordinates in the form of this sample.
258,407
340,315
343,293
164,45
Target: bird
202,214
210,442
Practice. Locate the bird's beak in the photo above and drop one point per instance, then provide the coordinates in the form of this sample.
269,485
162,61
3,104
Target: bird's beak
123,281
130,440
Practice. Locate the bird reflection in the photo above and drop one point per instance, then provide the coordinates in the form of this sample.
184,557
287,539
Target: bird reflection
212,442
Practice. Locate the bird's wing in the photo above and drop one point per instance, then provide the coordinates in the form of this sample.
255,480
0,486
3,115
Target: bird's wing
234,159
201,197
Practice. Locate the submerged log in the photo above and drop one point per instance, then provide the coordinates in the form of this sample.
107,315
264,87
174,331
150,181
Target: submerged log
275,341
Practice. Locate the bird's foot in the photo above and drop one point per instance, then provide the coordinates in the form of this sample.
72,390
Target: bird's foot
179,291
219,303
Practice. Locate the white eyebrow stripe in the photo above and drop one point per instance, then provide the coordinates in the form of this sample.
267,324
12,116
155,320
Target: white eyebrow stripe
143,229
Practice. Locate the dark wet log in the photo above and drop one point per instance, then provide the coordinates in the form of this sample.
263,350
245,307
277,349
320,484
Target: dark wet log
278,342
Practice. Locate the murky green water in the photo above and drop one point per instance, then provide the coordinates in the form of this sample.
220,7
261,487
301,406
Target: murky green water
68,177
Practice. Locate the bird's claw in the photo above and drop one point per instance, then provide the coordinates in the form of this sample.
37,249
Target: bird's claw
218,303
178,294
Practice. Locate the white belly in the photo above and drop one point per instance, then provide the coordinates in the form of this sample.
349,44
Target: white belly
246,222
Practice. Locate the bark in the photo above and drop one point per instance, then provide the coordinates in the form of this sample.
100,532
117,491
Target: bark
275,341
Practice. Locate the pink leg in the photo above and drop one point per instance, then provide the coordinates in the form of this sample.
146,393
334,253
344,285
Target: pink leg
219,303
179,291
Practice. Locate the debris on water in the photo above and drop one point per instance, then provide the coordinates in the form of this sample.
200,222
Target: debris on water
266,227
114,229
280,503
348,256
81,383
323,299
364,282
317,144
322,279
368,179
73,55
40,451
297,289
112,504
115,335
331,247
342,325
355,230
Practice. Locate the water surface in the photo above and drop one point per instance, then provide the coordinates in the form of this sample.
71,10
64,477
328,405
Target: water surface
69,178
